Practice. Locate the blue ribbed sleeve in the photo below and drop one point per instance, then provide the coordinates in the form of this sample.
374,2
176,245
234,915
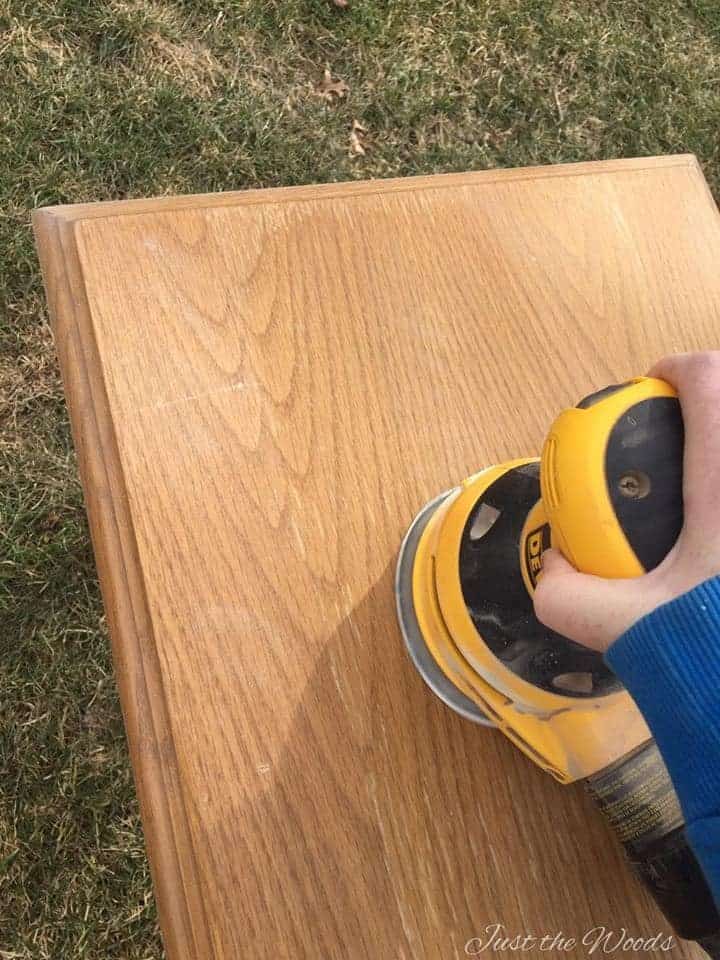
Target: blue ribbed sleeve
670,663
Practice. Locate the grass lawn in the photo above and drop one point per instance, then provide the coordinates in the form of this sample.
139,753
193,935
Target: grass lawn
131,98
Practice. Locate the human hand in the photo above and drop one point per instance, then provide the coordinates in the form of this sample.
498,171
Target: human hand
594,611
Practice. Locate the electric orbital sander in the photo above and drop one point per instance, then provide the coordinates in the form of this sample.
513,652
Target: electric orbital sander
606,492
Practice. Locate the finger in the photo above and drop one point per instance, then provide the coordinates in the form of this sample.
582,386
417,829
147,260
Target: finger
587,609
696,377
670,368
554,563
693,374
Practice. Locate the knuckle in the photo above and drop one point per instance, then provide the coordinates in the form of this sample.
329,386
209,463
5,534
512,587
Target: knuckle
706,365
695,375
690,365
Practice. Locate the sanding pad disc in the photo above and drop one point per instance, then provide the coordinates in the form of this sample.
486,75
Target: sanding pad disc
410,628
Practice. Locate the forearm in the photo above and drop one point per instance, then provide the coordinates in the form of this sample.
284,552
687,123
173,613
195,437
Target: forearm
669,662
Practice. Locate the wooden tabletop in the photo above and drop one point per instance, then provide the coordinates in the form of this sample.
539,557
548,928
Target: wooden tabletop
265,387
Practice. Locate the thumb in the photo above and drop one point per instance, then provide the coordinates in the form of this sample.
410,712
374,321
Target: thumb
587,609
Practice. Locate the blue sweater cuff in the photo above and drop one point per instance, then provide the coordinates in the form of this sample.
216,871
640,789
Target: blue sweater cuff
670,663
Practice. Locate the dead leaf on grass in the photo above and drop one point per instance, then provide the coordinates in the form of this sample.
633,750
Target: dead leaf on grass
357,139
330,89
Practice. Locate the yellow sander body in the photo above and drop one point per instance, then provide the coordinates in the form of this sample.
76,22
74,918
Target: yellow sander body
606,492
567,736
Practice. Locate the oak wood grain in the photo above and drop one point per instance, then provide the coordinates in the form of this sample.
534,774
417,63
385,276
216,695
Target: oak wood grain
264,389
